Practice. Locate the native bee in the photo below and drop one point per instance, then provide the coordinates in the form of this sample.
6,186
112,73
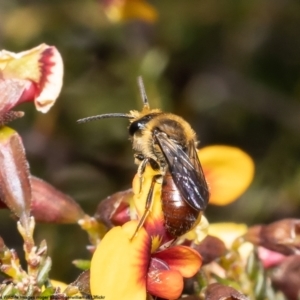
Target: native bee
168,144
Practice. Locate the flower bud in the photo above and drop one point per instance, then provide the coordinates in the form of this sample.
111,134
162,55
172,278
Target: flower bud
114,210
217,291
52,206
15,189
210,249
287,277
281,236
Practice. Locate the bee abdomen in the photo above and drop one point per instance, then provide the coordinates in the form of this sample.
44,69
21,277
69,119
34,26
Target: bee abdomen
179,216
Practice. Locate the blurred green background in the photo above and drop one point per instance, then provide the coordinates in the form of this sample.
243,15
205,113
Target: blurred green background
230,68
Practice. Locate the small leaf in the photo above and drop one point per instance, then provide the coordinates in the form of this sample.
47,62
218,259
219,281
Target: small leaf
44,271
82,264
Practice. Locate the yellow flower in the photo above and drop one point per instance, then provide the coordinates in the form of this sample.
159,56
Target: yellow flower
134,259
124,267
124,10
228,172
137,261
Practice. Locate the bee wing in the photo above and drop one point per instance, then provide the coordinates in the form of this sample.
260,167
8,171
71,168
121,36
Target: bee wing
186,171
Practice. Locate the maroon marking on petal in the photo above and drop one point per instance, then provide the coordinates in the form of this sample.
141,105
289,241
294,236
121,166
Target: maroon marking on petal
156,227
45,65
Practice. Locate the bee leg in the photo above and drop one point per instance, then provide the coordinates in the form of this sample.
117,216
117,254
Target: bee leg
148,204
141,170
142,167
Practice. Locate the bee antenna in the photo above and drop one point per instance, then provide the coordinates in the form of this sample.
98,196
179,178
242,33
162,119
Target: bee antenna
143,92
104,116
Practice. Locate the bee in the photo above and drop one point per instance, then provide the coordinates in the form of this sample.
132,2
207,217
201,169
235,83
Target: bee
168,144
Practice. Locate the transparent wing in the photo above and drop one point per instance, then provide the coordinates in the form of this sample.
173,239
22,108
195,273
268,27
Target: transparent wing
186,171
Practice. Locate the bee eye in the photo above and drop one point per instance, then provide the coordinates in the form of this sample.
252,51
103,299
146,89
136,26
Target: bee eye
135,126
139,157
140,123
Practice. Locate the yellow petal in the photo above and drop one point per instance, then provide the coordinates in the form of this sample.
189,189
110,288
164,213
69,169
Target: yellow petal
124,10
228,233
155,218
119,264
228,171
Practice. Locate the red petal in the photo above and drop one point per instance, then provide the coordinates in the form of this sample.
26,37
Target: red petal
181,258
167,284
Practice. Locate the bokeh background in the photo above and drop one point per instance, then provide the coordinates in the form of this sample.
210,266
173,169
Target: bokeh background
230,68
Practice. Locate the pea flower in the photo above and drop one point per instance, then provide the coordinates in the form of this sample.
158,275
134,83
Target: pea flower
124,10
128,264
32,75
228,170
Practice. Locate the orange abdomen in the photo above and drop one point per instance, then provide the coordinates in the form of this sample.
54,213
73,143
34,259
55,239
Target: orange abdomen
179,216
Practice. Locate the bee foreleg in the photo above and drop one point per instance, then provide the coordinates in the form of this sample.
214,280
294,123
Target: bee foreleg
142,167
149,199
141,170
